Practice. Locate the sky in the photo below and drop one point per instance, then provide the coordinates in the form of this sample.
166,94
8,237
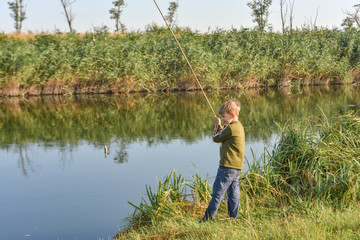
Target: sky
200,15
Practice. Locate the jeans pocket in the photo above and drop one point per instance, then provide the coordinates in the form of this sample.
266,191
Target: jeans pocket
229,173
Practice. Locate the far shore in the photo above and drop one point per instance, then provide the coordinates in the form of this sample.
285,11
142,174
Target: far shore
12,91
69,64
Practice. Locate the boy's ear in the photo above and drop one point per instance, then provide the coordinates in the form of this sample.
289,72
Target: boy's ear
233,115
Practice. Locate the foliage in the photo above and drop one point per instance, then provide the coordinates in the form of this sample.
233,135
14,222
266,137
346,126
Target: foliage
172,9
260,12
18,13
151,61
314,160
352,18
161,202
116,13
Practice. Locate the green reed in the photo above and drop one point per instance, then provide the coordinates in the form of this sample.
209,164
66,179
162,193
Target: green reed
161,202
151,60
315,159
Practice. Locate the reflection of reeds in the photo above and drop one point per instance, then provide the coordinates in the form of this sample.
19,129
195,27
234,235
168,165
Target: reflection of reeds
156,118
151,61
314,164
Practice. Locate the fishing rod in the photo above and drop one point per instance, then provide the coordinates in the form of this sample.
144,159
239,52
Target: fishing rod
192,70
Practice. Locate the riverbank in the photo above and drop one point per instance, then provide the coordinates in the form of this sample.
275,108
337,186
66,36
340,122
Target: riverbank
321,223
18,91
151,61
308,187
38,90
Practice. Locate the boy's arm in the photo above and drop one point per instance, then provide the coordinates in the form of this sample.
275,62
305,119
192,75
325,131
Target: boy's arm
217,129
218,126
221,133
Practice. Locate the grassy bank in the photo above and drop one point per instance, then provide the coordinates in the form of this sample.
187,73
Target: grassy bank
308,187
321,223
150,61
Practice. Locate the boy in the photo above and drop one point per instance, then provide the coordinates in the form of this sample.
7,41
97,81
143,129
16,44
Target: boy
232,149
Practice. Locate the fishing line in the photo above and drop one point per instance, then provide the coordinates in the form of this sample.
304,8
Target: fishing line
192,70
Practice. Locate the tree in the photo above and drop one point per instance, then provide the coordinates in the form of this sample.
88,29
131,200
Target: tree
311,24
352,18
116,13
348,23
285,9
171,17
66,4
291,15
260,12
283,14
18,13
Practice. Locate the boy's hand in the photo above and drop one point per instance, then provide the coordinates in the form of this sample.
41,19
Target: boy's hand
217,120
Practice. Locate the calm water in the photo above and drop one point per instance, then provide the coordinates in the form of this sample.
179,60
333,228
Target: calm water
56,183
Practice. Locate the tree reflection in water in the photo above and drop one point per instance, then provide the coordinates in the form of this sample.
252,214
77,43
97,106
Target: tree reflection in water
121,155
24,162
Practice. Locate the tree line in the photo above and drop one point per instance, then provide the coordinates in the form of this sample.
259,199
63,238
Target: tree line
259,12
18,13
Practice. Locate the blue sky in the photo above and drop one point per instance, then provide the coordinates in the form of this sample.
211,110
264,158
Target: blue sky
45,15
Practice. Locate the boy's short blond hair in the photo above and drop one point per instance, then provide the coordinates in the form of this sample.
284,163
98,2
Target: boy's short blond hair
230,107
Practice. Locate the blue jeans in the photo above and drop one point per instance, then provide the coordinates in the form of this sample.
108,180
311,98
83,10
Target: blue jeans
227,179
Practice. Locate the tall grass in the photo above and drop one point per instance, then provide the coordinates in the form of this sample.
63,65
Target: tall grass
170,191
312,173
313,160
151,61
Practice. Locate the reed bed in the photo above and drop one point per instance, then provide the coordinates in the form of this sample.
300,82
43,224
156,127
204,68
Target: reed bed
151,61
307,187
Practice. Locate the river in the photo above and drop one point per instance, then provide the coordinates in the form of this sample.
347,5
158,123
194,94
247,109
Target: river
56,182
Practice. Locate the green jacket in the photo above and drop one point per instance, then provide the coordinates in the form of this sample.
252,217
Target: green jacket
232,138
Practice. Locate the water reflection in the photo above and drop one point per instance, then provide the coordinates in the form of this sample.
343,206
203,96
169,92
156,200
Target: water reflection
24,162
55,178
63,122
